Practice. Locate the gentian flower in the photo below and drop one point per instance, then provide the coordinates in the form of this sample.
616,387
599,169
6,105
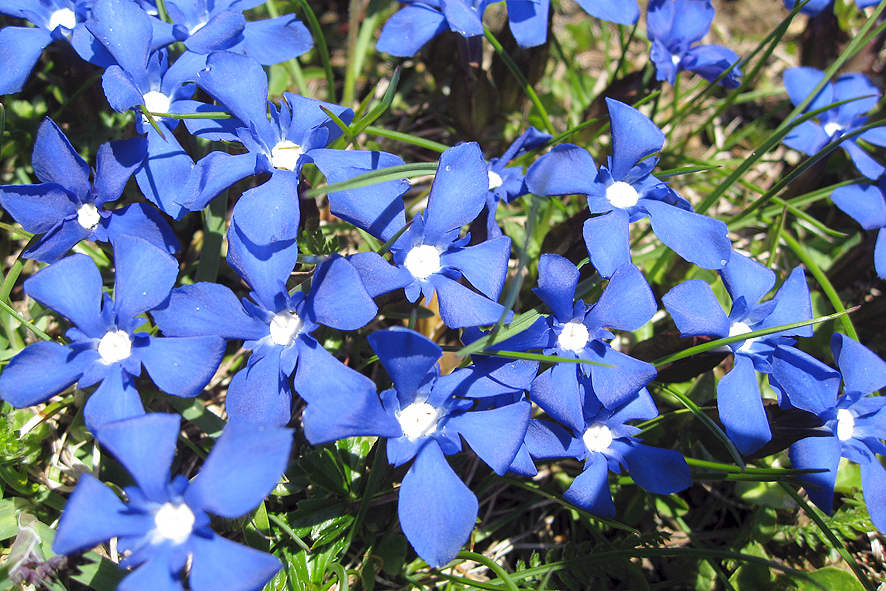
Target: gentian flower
867,206
506,183
696,312
810,137
605,444
627,192
673,27
107,346
854,423
67,208
277,327
578,331
437,511
817,6
431,258
164,524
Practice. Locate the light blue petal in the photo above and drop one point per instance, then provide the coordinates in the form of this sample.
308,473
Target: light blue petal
144,276
634,137
818,453
528,21
337,298
810,384
460,307
863,370
494,435
607,240
458,192
873,484
622,12
39,372
745,277
115,399
565,170
270,213
409,29
484,265
866,204
182,366
56,161
275,40
20,48
659,471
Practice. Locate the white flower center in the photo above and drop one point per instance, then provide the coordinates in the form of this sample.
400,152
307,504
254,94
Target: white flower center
87,216
173,523
115,346
845,424
740,328
621,194
574,336
598,437
832,128
64,17
423,260
285,326
675,59
419,419
156,102
495,180
197,27
285,155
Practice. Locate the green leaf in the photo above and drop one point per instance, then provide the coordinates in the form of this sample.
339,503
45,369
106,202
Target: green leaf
828,578
392,552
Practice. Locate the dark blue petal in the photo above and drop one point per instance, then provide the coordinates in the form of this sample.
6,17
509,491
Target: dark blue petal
145,446
240,84
548,441
855,86
807,137
56,161
378,275
590,489
873,483
115,399
154,574
212,174
409,29
126,32
142,219
406,355
799,83
259,393
207,309
637,408
695,310
494,435
93,515
627,284
20,48
73,288
880,255
697,238
485,264
337,298
741,408
460,307
221,32
458,192
182,366
115,163
818,453
528,21
211,129
557,281
747,278
265,268
613,385
222,564
557,392
58,241
692,20
634,136
863,203
275,40
462,17
606,238
792,304
710,61
38,208
437,511
164,172
144,276
659,471
270,212
810,384
242,468
39,372
863,161
565,170
863,370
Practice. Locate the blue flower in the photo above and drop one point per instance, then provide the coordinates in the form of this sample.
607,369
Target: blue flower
627,192
817,6
673,27
67,208
696,312
163,527
867,206
854,424
606,443
809,137
106,343
437,511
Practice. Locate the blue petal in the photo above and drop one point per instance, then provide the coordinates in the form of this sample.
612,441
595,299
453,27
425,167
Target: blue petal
142,219
873,483
217,130
659,471
378,208
855,86
637,408
607,240
221,32
94,514
613,385
57,242
463,17
623,12
207,309
695,310
627,284
807,137
744,277
114,400
378,275
409,29
406,355
863,370
240,84
145,446
182,366
164,172
818,453
338,298
557,281
214,173
39,372
154,574
792,304
863,161
56,161
270,212
548,441
275,40
38,208
437,511
494,435
741,408
259,393
528,21
115,163
863,203
222,564
485,264
557,392
565,170
692,20
710,61
634,137
126,32
144,276
458,192
590,489
73,288
264,268
20,48
697,238
799,82
460,307
242,468
880,255
810,384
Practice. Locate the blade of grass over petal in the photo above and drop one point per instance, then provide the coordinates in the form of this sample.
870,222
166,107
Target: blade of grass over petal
709,423
375,177
151,120
406,138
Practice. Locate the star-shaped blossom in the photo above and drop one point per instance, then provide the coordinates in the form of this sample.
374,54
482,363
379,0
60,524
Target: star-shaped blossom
809,137
866,204
437,511
696,312
163,526
627,192
854,423
67,208
107,346
674,27
605,443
